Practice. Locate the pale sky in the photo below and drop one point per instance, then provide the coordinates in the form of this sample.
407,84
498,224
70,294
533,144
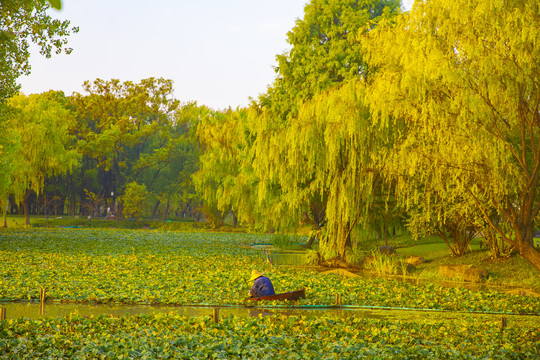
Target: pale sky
217,52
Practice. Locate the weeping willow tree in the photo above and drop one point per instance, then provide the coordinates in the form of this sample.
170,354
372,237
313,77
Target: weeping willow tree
325,53
43,124
305,147
10,154
334,151
463,78
225,178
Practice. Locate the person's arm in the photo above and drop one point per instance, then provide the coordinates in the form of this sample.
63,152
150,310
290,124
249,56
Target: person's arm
255,292
257,289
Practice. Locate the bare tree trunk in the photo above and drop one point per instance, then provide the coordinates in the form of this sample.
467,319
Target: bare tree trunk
317,214
235,219
165,211
310,241
25,207
45,202
72,209
525,247
156,207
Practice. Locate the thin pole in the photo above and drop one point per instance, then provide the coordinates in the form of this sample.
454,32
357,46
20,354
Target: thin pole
43,295
215,315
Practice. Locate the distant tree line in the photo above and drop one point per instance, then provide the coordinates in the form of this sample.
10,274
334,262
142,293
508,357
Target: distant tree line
428,120
79,154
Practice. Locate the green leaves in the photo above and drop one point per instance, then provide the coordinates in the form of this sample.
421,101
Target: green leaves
310,134
458,80
281,337
198,268
56,4
138,132
43,125
134,199
22,23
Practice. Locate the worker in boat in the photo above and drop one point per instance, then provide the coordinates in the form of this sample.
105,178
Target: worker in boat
262,286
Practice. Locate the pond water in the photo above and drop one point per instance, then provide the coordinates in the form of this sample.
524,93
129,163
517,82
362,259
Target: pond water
32,310
282,256
289,258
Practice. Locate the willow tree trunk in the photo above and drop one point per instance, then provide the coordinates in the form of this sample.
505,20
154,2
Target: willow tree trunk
530,254
235,220
156,207
317,214
165,211
525,247
25,207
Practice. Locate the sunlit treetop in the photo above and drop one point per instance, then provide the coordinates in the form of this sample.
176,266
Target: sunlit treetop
325,49
23,22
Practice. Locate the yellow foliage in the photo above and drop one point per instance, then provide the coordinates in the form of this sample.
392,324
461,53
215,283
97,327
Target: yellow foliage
462,79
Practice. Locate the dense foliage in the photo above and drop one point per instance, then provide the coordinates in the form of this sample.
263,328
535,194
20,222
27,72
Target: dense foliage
377,119
436,126
197,268
276,337
190,268
23,22
463,82
78,154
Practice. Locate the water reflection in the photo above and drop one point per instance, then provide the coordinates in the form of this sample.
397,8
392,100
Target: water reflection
38,311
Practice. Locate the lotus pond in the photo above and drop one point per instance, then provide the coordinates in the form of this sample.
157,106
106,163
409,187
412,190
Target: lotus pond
273,337
136,267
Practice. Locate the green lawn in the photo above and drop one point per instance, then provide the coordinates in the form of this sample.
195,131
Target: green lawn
514,271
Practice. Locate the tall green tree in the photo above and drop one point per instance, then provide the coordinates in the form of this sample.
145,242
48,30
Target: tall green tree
463,79
225,178
295,112
43,123
23,22
167,167
118,122
325,51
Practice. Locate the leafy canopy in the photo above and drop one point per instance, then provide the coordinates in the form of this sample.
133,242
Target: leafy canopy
23,22
463,80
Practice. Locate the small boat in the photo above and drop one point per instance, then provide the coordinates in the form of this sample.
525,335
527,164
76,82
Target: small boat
291,295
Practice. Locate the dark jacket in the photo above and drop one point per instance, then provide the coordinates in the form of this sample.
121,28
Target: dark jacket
262,287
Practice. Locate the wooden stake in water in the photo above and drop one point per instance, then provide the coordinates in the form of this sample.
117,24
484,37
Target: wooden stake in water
216,315
339,300
504,323
42,296
2,313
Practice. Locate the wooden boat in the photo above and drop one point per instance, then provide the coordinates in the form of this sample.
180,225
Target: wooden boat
290,296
